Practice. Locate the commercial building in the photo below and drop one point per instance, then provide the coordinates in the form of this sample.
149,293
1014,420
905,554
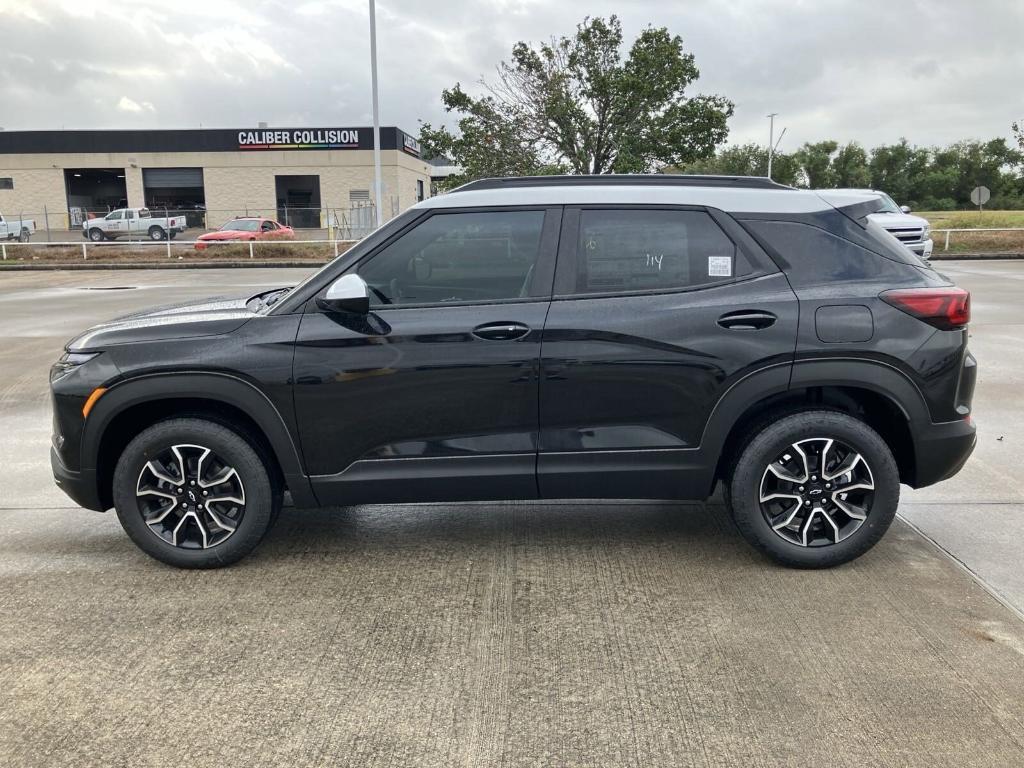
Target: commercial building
305,176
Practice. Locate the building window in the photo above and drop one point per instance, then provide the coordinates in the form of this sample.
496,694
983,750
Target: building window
6,183
419,190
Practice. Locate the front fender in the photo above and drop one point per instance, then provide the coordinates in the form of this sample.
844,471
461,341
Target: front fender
209,386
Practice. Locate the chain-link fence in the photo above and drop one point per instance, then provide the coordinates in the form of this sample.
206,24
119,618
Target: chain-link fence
351,221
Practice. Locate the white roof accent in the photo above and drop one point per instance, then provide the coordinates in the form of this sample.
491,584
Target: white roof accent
841,197
729,199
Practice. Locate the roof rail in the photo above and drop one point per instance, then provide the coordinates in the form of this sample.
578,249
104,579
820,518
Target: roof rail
623,179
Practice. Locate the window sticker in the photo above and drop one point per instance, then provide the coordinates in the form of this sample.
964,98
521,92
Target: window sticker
719,266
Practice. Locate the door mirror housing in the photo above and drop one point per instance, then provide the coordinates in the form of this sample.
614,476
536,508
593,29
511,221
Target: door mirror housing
349,293
905,208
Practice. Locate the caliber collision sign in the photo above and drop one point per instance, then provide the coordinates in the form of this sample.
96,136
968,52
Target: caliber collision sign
299,138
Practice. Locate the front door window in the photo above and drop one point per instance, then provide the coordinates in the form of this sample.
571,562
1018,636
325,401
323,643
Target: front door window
458,257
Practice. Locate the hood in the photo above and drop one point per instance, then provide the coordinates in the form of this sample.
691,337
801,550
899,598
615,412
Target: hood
891,220
226,234
180,321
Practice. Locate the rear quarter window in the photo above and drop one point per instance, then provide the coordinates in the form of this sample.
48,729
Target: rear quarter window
812,256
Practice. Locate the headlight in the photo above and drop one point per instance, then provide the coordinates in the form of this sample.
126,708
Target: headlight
68,362
926,232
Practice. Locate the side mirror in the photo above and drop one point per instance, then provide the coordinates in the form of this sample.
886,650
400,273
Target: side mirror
349,293
905,208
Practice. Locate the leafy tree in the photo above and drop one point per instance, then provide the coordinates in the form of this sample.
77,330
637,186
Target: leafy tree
745,160
939,178
816,163
895,169
575,104
850,167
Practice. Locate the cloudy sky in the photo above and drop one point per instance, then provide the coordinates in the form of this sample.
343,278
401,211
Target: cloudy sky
866,70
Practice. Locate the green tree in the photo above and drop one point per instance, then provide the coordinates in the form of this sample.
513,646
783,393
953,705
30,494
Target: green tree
745,160
576,104
898,169
850,167
816,163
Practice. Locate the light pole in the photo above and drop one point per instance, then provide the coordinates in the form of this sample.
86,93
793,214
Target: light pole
376,111
772,143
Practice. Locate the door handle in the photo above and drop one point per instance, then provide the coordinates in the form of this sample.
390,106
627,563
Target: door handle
501,331
747,320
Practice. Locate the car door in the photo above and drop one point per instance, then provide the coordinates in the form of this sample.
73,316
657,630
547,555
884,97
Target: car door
433,395
115,223
656,313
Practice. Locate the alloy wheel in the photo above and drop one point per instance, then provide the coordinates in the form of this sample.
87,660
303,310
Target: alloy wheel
190,497
817,492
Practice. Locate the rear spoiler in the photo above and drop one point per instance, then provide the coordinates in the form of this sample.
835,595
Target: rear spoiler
856,206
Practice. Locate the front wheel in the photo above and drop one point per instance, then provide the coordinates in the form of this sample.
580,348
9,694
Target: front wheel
96,235
194,494
814,489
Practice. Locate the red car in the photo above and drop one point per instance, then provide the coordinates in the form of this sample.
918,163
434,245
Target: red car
245,229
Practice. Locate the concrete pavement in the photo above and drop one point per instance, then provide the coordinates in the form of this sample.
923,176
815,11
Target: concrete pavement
604,634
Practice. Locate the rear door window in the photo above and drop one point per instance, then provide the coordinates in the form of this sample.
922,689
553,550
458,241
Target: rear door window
627,250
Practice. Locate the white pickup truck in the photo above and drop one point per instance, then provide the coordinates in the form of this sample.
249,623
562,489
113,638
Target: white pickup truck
16,229
133,222
913,231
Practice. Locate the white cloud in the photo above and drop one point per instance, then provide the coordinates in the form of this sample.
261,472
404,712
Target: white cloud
933,71
130,105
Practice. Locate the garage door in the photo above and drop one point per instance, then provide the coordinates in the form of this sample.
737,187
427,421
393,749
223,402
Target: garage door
172,178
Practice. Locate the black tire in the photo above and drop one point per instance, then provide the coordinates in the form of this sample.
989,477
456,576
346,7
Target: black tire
262,499
157,233
24,236
776,440
96,235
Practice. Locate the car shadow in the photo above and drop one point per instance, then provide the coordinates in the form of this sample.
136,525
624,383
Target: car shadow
483,526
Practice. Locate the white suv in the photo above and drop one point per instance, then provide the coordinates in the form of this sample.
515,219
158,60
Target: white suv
913,231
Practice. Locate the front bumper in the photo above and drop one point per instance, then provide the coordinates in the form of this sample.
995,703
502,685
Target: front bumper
80,486
941,450
923,249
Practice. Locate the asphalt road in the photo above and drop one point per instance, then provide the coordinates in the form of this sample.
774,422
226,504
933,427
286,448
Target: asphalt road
589,634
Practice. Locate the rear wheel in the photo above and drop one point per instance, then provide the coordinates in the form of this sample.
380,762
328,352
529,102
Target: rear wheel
157,233
24,235
814,489
194,494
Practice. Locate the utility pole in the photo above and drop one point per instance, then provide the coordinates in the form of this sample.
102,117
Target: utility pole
771,140
376,113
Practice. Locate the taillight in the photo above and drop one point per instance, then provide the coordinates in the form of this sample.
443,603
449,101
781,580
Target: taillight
943,308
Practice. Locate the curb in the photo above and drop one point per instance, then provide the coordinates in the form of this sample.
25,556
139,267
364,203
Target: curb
945,256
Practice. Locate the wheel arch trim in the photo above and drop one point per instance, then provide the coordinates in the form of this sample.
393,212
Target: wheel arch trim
876,376
215,387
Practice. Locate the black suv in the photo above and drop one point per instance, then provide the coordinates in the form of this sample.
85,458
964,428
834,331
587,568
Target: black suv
558,337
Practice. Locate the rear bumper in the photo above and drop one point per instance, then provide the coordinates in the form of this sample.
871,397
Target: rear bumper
80,486
941,451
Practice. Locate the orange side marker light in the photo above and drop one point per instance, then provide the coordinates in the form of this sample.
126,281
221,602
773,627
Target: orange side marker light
96,395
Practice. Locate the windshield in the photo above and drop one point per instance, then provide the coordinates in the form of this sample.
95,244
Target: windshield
888,204
241,225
